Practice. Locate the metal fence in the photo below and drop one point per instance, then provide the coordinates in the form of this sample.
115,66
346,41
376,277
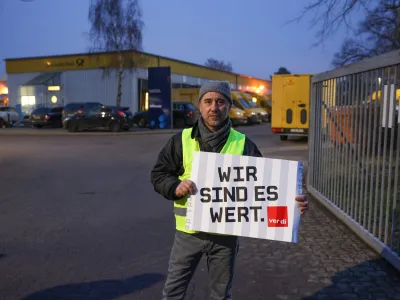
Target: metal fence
354,148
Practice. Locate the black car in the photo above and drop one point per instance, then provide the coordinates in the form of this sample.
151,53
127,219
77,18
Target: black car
141,119
185,114
46,117
78,107
113,118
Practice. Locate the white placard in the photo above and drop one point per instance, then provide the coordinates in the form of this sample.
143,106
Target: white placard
388,104
245,196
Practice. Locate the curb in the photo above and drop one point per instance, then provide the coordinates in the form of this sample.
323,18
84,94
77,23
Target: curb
33,132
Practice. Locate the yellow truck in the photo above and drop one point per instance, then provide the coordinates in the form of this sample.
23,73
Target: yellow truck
261,112
290,105
266,104
263,101
252,114
397,99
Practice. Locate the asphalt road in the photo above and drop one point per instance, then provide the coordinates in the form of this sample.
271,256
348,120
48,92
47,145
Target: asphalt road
79,220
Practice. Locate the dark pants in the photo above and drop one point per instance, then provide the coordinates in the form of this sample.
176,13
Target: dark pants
186,254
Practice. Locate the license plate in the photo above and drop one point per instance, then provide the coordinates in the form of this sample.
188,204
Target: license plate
297,130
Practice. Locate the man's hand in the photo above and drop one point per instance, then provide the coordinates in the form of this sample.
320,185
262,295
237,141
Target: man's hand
302,203
185,187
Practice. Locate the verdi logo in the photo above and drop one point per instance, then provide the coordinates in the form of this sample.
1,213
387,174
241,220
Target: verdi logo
277,216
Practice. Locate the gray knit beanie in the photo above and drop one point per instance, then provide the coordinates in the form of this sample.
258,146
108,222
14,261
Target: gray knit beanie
222,87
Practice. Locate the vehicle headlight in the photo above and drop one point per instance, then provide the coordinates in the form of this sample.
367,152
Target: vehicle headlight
253,113
238,113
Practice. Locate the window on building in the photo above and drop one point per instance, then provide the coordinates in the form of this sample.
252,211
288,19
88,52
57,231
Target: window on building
28,100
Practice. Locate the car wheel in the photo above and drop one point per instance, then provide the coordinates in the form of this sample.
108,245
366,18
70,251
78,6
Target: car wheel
114,127
73,127
284,137
2,123
141,123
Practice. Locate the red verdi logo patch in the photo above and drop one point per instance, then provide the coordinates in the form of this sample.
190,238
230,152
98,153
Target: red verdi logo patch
277,216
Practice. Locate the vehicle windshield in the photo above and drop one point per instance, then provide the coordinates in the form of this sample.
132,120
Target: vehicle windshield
42,110
57,109
236,104
191,106
244,103
253,104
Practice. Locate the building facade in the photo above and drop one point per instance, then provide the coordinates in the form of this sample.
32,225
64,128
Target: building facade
59,80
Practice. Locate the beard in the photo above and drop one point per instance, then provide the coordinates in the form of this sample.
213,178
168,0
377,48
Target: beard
215,119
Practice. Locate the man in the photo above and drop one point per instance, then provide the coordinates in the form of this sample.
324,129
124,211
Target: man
171,178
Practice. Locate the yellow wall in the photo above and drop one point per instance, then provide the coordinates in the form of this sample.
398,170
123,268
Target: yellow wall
138,59
186,94
76,62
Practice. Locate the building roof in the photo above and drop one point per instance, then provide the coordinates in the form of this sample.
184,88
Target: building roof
128,51
42,78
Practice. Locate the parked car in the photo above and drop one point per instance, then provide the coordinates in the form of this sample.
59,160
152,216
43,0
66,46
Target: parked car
78,107
45,117
237,116
8,116
111,118
141,119
185,114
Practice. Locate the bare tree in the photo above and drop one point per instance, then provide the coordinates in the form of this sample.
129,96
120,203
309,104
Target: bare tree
281,70
219,65
376,35
330,15
116,26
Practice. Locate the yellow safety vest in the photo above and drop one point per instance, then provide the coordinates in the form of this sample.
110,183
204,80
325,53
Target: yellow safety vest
234,145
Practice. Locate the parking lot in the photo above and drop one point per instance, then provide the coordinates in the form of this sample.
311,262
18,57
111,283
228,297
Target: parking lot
79,220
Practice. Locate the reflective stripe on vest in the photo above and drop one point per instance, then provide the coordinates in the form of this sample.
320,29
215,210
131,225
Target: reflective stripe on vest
234,145
180,211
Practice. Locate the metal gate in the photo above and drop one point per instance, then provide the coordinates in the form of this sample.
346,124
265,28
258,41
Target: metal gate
354,149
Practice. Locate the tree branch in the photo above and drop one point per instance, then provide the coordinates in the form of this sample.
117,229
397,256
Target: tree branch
116,25
377,34
330,15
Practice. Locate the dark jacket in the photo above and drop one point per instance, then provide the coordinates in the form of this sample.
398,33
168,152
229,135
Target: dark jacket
169,165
